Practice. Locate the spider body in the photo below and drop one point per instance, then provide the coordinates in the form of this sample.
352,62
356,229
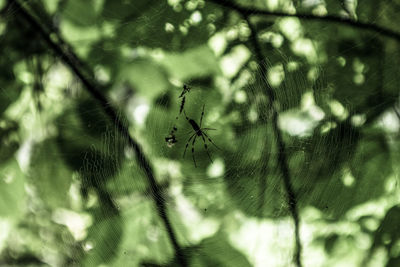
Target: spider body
198,132
195,127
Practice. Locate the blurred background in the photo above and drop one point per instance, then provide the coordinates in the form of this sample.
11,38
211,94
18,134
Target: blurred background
100,98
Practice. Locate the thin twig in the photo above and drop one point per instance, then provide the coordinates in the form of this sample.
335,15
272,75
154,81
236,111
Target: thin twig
92,87
326,18
282,160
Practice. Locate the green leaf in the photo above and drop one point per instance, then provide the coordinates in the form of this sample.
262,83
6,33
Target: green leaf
81,13
146,77
93,118
9,142
325,152
12,190
49,174
362,180
157,24
287,78
104,237
193,63
362,76
253,181
9,91
145,238
207,254
388,235
88,145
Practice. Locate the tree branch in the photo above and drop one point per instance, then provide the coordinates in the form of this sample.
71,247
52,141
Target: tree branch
327,18
282,160
70,60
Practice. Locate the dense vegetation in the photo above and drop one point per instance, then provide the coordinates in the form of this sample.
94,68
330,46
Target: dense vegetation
99,101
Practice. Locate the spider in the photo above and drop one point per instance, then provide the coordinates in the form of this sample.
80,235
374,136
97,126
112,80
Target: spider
185,90
198,131
171,138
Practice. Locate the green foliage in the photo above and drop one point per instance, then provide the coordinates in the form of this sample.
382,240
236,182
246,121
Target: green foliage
75,191
12,190
49,174
104,236
206,254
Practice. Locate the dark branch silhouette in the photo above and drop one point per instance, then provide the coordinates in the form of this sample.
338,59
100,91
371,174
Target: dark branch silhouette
326,18
282,160
70,60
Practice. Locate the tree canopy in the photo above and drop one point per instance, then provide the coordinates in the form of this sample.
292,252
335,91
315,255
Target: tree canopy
199,133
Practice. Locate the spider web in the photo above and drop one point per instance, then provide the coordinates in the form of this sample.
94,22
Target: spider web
243,182
246,163
241,192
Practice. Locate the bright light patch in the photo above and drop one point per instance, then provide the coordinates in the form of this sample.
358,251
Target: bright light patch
173,2
25,77
253,115
240,97
258,240
307,100
231,63
308,104
359,79
348,179
216,169
275,39
390,122
296,123
76,223
88,246
196,17
391,183
232,34
292,66
338,110
102,74
191,5
358,66
276,75
184,30
244,31
140,113
169,27
272,4
371,224
153,233
217,43
304,47
198,226
291,28
313,74
5,227
58,77
24,155
320,10
341,61
358,119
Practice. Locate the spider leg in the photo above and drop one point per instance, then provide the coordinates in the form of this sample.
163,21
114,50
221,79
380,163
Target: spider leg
205,146
209,139
184,112
187,144
208,129
189,132
202,114
194,160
